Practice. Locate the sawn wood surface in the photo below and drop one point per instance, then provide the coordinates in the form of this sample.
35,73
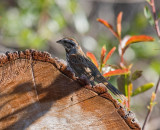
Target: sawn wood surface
38,92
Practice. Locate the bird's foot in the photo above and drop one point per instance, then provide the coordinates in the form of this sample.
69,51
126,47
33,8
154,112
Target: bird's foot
83,80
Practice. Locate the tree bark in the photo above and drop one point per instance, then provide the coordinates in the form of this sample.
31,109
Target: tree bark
40,92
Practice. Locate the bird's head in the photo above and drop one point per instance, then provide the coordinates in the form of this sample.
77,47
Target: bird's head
68,43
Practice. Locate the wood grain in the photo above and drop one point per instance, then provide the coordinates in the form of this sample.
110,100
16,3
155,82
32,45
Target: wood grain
39,92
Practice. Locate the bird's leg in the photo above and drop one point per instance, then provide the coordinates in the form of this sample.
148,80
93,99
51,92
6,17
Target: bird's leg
83,80
92,83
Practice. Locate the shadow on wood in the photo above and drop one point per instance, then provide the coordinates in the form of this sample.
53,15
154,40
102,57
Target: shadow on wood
38,92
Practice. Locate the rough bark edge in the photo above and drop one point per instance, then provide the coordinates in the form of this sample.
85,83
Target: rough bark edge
39,56
61,65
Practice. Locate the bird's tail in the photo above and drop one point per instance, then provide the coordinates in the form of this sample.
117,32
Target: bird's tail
115,91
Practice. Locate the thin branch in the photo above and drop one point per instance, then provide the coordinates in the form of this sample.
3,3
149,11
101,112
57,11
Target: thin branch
152,3
155,17
151,108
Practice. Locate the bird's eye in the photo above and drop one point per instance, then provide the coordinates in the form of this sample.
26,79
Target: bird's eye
69,42
72,43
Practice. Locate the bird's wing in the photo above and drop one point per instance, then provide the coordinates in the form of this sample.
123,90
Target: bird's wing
80,65
83,65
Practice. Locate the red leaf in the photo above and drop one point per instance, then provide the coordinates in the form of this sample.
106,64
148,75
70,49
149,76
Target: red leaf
103,51
109,55
116,72
139,38
109,26
93,58
119,19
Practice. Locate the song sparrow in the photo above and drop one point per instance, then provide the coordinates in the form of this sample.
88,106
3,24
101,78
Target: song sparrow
81,65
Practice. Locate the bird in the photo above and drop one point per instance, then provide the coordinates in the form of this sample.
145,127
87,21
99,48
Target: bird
82,65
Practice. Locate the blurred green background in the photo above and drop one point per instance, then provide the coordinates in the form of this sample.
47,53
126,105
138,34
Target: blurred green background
39,24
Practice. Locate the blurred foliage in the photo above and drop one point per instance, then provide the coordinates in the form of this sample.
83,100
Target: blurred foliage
148,15
31,23
38,23
156,66
125,79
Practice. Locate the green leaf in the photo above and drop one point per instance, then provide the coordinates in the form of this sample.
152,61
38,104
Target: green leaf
156,66
136,75
149,1
121,81
148,15
146,12
73,6
142,88
158,15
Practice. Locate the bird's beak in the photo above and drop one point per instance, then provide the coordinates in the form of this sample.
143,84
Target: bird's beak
59,41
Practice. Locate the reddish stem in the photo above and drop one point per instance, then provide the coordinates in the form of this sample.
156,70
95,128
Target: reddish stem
152,3
121,55
129,96
155,17
151,108
122,61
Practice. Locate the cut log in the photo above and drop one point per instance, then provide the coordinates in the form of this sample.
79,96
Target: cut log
40,92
